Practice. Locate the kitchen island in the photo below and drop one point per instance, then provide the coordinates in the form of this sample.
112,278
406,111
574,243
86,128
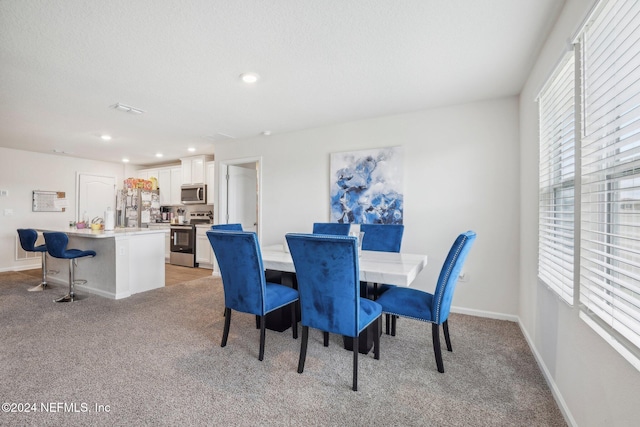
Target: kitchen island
127,261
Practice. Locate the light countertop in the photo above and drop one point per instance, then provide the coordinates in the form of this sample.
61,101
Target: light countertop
101,234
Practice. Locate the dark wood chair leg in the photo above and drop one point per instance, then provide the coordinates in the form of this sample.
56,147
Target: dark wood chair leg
376,338
445,328
257,322
325,336
393,325
227,323
387,320
355,363
263,325
294,323
435,332
303,349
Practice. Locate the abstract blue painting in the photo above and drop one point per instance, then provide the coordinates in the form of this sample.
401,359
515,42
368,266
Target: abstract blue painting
367,186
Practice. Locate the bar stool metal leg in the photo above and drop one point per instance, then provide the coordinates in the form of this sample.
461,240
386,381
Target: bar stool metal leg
71,296
42,286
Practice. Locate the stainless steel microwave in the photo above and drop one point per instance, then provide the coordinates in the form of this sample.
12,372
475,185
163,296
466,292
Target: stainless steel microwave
195,194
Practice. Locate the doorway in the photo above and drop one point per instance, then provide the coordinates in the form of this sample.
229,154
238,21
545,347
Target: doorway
95,193
239,193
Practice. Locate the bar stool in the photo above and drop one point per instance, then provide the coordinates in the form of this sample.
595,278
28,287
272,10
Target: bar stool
57,247
28,237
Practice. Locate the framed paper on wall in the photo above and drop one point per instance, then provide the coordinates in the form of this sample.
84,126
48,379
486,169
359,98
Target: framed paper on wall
367,186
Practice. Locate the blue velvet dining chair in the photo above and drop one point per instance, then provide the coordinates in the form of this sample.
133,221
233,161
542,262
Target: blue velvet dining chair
334,228
245,287
382,238
229,227
328,273
433,308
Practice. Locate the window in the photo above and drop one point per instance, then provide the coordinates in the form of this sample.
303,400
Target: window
557,174
604,197
610,195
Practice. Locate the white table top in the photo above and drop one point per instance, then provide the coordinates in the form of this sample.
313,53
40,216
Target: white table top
376,267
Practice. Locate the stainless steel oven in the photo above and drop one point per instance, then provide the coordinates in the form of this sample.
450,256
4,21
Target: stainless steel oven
183,245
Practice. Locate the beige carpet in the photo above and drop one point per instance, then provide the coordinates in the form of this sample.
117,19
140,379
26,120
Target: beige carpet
155,359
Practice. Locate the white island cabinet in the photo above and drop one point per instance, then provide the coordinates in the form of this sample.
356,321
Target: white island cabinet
127,261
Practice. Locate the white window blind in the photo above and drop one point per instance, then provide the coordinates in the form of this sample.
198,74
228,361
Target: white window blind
557,175
610,197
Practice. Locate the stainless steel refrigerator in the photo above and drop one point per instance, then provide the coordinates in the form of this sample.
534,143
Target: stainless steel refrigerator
136,207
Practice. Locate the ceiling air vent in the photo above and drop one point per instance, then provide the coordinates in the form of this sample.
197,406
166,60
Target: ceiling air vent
126,108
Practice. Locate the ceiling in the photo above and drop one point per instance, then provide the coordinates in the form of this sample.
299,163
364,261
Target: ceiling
320,62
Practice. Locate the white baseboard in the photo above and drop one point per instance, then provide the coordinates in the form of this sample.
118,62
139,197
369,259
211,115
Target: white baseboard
483,313
550,382
22,267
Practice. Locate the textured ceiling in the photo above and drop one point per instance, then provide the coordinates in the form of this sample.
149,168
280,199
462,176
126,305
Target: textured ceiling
321,62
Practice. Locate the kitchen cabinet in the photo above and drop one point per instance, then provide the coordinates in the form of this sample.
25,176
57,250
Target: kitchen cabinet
167,238
210,167
147,173
176,183
194,169
169,182
164,184
204,252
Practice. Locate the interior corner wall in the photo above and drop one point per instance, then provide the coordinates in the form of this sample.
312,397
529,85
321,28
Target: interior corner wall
21,172
594,384
460,173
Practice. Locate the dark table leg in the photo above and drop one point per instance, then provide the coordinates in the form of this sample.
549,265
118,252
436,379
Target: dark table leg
280,320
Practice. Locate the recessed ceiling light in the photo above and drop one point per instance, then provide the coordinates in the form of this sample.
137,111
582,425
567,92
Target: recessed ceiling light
125,160
249,77
191,149
106,137
158,154
266,133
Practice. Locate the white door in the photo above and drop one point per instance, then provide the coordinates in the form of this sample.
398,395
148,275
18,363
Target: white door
242,188
95,193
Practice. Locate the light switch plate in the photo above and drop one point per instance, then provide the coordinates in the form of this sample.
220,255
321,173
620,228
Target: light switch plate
8,212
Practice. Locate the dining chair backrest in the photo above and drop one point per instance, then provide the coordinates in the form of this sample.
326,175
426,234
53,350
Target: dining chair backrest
334,228
449,276
240,261
232,227
327,270
382,237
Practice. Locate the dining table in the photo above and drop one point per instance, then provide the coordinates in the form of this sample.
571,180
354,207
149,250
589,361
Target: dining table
393,268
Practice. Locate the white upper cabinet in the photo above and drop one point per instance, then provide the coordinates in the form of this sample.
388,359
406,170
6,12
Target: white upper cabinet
194,169
147,173
164,184
176,183
169,182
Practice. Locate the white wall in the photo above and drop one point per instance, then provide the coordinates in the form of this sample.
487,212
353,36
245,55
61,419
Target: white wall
21,172
598,387
461,173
